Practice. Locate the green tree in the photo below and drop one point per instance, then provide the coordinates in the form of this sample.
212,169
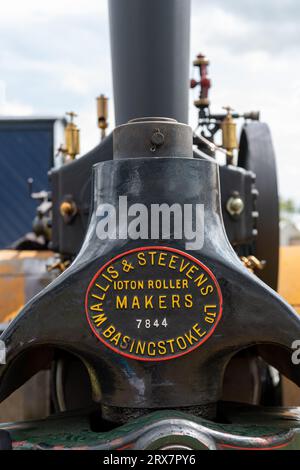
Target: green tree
287,205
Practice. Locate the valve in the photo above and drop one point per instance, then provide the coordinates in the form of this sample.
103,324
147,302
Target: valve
58,264
68,209
72,137
202,62
102,113
229,140
252,263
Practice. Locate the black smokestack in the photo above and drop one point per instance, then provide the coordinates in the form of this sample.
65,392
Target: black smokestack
150,58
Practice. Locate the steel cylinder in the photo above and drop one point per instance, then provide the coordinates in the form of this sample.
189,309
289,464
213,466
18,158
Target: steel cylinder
150,58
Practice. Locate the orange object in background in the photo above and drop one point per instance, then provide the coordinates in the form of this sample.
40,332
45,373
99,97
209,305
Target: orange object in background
289,275
22,275
289,289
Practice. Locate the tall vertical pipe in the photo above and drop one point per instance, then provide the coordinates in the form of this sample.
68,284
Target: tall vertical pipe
150,58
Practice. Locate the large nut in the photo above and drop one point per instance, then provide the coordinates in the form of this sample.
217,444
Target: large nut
157,138
235,205
68,209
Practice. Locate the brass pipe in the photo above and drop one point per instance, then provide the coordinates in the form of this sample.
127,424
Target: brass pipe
102,114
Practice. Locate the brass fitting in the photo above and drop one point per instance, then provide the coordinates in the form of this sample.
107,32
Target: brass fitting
102,113
72,137
228,127
235,205
200,60
201,102
59,265
252,263
68,210
202,63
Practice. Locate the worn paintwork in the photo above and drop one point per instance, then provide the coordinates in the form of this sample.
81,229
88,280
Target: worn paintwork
274,430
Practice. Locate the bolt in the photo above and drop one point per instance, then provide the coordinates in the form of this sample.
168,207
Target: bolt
235,205
157,138
67,208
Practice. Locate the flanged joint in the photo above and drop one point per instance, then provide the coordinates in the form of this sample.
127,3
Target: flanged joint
153,137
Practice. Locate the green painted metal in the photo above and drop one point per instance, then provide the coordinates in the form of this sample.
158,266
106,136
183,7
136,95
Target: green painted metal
271,430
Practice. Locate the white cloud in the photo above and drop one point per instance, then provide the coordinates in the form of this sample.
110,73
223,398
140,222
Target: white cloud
12,107
15,108
24,11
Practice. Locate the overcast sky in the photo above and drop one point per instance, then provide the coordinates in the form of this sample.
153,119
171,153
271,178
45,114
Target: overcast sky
54,57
